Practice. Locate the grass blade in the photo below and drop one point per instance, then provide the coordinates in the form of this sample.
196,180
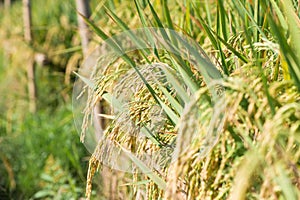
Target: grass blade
172,100
170,113
214,42
185,76
87,81
144,23
159,23
245,14
166,12
145,169
284,181
223,19
176,85
140,44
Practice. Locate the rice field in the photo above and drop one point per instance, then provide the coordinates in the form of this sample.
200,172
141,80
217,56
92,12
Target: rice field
228,109
193,99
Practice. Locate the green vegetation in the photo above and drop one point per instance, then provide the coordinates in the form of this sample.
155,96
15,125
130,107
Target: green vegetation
40,154
257,152
253,44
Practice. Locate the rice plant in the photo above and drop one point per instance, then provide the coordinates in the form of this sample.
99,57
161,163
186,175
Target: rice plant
251,152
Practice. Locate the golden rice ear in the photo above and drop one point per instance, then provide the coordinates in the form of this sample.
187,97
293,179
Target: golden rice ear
94,165
195,178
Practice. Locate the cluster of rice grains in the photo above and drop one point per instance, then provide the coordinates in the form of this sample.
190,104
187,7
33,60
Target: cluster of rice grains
256,154
139,125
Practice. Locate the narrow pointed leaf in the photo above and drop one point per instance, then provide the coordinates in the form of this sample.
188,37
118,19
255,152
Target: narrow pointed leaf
172,100
87,81
145,169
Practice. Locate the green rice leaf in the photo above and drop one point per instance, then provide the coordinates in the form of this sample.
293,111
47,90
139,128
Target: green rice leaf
143,182
171,114
145,169
176,85
167,14
223,18
285,183
87,81
172,100
185,76
132,36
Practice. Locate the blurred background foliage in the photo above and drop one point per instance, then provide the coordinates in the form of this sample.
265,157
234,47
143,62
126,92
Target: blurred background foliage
40,154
